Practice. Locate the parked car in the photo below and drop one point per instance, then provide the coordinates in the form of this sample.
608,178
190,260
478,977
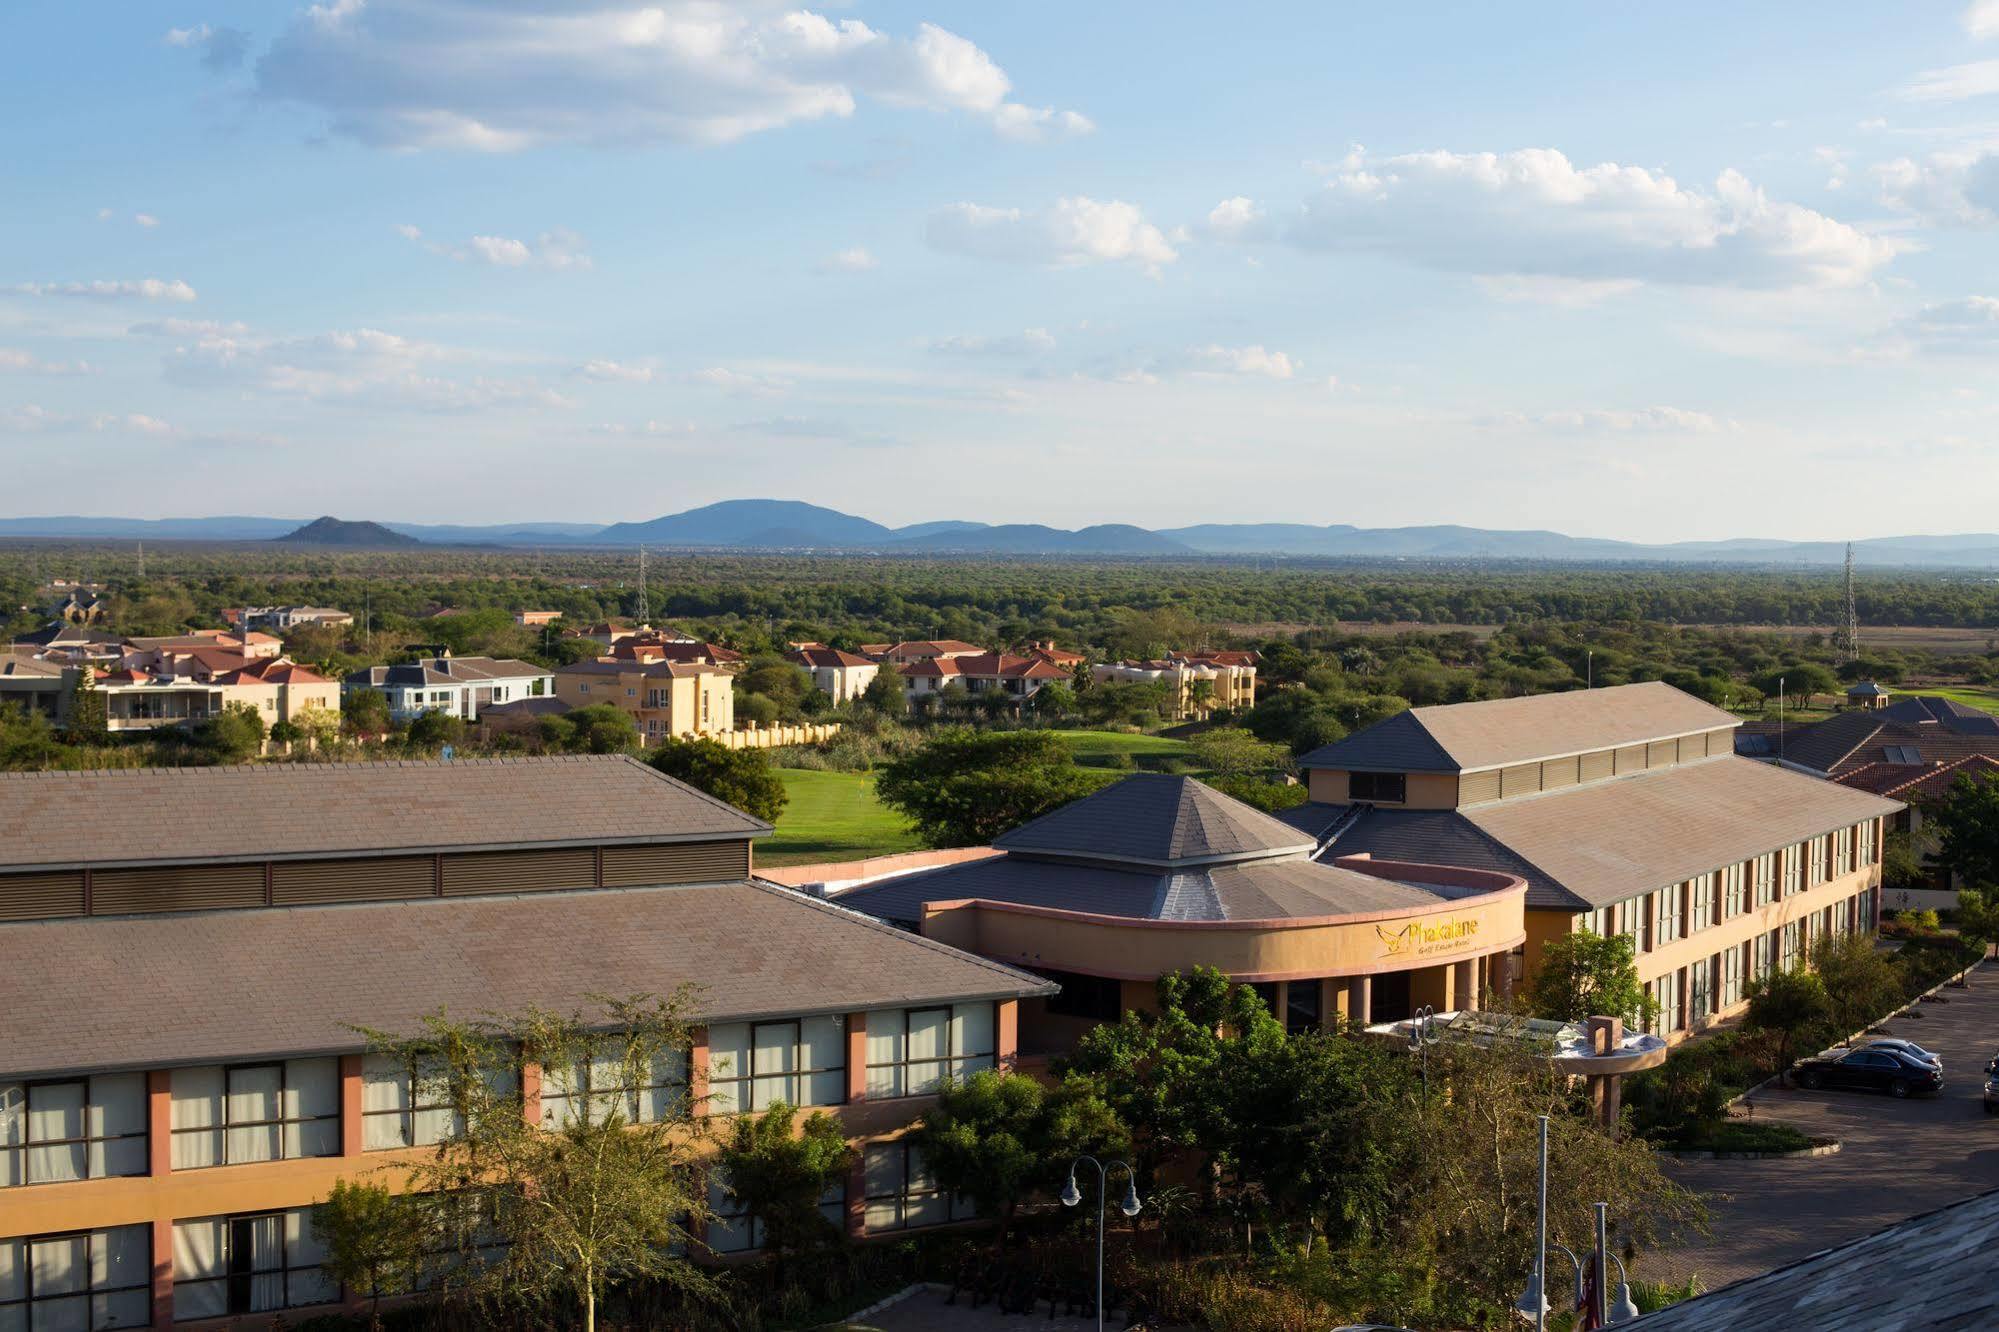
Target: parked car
1992,1086
1905,1047
1891,1071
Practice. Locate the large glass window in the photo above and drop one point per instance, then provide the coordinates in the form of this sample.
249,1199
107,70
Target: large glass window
1790,945
1638,922
1671,1016
78,1282
911,1051
1815,858
87,1128
902,1194
1842,851
227,1265
1701,985
1672,910
754,1065
405,1107
1703,895
1764,869
1764,954
1099,998
1385,788
255,1112
1731,977
1868,849
1794,869
604,1084
1734,890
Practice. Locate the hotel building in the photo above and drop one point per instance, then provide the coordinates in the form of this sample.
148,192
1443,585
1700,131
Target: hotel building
186,954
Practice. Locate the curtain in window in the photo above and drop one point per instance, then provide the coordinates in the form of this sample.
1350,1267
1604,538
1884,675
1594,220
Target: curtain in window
55,1112
312,1107
197,1118
253,1100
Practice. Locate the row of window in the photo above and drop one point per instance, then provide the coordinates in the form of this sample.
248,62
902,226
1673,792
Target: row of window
1679,909
95,1128
1688,997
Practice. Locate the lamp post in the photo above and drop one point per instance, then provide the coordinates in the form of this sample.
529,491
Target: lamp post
1423,1035
1071,1195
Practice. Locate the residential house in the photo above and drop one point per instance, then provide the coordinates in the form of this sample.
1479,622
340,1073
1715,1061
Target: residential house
535,619
652,645
167,1133
1199,682
982,673
282,618
908,654
145,653
666,699
35,684
60,641
841,675
461,687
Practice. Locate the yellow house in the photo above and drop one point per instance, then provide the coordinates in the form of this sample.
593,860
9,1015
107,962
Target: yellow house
667,699
1625,811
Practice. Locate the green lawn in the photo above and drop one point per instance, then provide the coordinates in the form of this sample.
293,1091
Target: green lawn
1096,749
833,816
1985,700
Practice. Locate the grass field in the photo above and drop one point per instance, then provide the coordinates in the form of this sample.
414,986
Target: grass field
1098,749
1986,700
833,816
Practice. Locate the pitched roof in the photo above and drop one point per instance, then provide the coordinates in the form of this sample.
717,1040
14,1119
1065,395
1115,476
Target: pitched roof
1923,709
1930,1271
986,665
653,670
1463,737
12,665
826,658
1432,836
288,981
1153,819
280,811
1856,739
1923,782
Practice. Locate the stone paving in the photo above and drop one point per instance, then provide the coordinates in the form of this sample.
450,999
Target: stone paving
1898,1157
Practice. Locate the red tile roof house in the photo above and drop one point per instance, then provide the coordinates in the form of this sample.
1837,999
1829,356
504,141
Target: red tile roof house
987,672
904,654
839,675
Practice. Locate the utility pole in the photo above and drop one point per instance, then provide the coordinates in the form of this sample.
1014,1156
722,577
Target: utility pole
1849,638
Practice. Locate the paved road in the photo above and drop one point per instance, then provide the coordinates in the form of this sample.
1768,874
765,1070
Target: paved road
926,1311
1899,1157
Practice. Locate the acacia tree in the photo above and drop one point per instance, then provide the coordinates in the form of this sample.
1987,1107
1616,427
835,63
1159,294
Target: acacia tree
1586,975
966,787
609,1192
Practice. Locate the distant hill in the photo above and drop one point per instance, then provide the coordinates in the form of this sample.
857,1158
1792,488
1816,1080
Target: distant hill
354,536
1034,539
751,522
932,529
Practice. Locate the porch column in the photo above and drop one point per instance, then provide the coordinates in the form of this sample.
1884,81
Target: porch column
857,1057
1464,984
1006,1033
1332,1003
1360,999
350,1105
163,1273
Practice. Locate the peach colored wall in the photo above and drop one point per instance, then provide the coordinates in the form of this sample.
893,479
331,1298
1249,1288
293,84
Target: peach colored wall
1424,790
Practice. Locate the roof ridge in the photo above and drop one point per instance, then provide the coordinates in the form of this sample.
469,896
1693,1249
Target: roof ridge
884,927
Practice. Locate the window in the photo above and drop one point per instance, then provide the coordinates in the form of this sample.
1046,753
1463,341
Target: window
1703,903
1099,998
1731,977
1789,945
1387,788
248,1264
1672,909
1638,918
1815,862
1701,981
1671,1016
730,1229
753,1065
255,1112
77,1282
901,1192
600,1086
1765,952
1794,869
1734,890
1764,868
90,1128
1598,922
1301,1006
1842,851
1865,834
398,1110
911,1051
583,688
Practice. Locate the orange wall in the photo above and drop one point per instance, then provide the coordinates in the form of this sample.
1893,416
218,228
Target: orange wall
1424,790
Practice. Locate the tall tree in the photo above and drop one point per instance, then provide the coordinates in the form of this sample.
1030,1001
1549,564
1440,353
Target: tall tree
1794,1005
88,723
1966,821
375,1240
966,787
1585,975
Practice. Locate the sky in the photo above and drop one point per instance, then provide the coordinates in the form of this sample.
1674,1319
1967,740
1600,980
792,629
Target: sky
1659,272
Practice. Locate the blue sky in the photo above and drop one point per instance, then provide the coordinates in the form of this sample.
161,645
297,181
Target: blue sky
1664,272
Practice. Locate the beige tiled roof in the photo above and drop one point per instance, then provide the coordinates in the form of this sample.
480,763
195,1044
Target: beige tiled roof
1462,737
228,985
1605,841
264,811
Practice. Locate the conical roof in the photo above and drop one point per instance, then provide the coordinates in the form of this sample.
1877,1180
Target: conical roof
1151,819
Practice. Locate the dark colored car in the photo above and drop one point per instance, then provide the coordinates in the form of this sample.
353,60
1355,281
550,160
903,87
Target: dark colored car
1902,1047
1891,1071
1992,1086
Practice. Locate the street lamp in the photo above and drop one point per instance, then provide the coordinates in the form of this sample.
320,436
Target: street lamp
1071,1195
1423,1035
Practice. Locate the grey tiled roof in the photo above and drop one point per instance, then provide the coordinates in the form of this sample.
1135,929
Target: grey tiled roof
1289,888
1429,836
1931,1271
203,987
1155,820
1462,737
261,811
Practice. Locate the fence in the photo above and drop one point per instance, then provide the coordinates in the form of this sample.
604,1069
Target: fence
753,736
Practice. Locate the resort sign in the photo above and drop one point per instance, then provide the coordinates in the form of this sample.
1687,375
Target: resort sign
1421,938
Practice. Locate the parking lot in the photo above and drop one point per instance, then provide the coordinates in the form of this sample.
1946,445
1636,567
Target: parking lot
1898,1157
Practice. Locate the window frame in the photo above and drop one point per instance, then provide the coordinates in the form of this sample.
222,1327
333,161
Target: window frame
637,1099
91,1292
953,1060
238,1281
94,1146
799,1075
954,1208
281,1123
1397,782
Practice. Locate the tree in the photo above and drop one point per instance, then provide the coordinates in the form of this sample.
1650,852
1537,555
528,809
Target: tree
966,787
596,1195
1861,984
317,727
1232,751
1800,681
777,1170
1978,916
1271,797
89,723
1792,1004
601,728
757,708
232,735
740,777
1585,975
375,1240
364,712
1901,865
1000,1138
885,695
1967,825
432,729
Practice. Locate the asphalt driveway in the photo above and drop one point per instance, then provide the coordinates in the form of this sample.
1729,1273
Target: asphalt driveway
1898,1158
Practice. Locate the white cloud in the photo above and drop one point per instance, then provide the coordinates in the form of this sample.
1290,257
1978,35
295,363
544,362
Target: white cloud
1967,326
653,429
363,366
416,74
17,362
144,289
1028,342
1981,19
1567,293
1640,420
558,248
1954,188
1075,231
1253,361
856,260
221,49
1237,219
145,219
35,419
1533,214
742,384
1834,161
617,372
188,328
1954,83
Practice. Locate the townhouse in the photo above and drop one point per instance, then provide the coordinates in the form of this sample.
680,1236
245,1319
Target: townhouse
461,687
1199,683
1017,677
842,676
665,699
180,1076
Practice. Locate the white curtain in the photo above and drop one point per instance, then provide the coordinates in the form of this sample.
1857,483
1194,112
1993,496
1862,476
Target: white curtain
13,1133
254,1099
199,1288
312,1101
823,1042
773,1063
885,1047
385,1097
929,1048
197,1117
55,1111
728,1065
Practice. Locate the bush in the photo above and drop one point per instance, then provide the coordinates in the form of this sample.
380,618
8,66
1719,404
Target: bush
1269,796
1743,1135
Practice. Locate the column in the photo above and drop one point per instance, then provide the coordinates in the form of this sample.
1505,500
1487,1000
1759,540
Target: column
1360,999
350,1105
531,1094
1332,1004
159,1122
163,1273
1280,1004
1006,1033
697,1071
857,1194
857,1058
1464,985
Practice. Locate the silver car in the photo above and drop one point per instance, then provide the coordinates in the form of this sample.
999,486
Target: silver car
1900,1046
